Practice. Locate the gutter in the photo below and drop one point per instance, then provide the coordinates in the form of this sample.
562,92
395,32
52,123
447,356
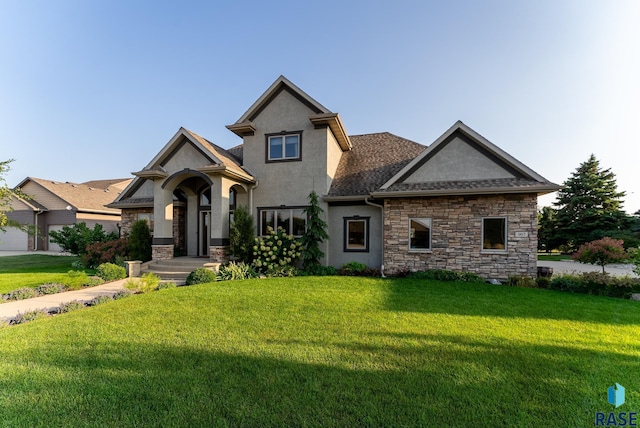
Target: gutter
366,201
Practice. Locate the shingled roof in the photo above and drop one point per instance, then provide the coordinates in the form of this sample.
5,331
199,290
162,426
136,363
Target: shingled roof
373,160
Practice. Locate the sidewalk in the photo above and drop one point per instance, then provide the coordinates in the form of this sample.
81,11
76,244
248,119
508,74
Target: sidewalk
10,310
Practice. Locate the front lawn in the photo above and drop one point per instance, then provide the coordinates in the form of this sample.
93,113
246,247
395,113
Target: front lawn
339,351
32,270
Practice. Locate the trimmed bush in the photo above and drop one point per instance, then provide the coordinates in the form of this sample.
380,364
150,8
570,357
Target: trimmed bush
319,271
21,294
140,241
76,279
201,276
113,251
50,289
99,300
444,275
522,281
111,272
25,317
73,305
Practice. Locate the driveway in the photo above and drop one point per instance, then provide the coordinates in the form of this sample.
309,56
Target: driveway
569,266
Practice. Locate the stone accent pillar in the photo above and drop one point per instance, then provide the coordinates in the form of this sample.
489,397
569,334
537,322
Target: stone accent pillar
133,268
219,254
162,252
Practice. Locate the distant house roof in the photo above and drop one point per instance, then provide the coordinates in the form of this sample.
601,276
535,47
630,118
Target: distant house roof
372,161
82,197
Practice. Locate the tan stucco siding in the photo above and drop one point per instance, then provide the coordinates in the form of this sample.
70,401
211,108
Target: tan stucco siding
334,153
187,156
337,255
457,160
145,190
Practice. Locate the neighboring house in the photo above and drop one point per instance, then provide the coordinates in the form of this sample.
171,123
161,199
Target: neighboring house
460,204
52,205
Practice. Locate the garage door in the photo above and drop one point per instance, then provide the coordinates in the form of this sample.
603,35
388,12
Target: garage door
54,246
14,240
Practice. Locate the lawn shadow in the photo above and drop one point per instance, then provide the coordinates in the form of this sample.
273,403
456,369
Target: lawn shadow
478,299
130,384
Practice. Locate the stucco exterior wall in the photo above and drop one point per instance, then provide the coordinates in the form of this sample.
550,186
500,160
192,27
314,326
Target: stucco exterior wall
457,234
337,256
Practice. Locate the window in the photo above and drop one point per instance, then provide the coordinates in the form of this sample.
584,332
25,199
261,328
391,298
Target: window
494,233
420,234
292,220
356,234
283,147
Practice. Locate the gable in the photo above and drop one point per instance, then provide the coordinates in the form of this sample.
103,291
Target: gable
184,155
285,111
459,158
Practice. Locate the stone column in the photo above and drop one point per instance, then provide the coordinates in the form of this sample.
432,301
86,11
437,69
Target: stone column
162,246
219,237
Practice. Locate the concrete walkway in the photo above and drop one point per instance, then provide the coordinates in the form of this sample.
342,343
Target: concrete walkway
11,309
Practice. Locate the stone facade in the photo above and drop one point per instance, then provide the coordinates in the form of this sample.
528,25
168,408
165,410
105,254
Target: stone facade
130,215
456,234
161,252
219,254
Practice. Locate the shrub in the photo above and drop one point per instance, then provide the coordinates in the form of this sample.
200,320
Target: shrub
114,251
543,282
469,277
566,282
443,275
74,239
319,271
76,279
148,282
353,269
121,294
275,251
201,276
235,271
111,272
601,252
281,271
140,241
99,300
21,294
166,285
73,305
22,318
242,235
50,289
522,281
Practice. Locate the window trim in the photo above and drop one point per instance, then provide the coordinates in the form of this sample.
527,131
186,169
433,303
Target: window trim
283,134
421,250
281,208
506,231
345,234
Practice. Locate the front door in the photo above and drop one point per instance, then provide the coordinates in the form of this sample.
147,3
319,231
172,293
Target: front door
205,225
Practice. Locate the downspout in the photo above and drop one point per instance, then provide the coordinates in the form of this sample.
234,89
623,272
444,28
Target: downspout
251,189
366,201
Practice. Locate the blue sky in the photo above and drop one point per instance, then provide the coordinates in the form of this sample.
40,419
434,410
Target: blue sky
94,89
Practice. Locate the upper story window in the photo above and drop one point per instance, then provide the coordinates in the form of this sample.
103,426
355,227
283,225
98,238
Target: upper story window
284,146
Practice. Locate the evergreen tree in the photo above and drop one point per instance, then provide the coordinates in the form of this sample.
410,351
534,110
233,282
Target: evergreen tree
140,241
242,235
589,206
547,229
314,235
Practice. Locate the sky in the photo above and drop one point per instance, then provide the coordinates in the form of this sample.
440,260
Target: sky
94,89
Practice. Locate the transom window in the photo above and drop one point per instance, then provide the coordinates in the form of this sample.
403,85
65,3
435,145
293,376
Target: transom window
494,233
420,234
292,220
283,147
356,234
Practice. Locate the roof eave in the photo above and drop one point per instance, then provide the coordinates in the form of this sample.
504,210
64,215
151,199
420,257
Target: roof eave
333,121
539,190
346,198
242,129
150,174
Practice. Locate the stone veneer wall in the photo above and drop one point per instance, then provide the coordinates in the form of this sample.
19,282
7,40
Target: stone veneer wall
218,254
456,225
129,215
161,252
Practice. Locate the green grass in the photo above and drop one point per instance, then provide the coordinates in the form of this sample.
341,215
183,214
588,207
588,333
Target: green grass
32,270
553,257
339,351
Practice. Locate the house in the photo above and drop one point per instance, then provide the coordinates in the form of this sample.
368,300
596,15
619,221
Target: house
462,203
52,205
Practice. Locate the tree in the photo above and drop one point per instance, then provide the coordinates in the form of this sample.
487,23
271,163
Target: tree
589,207
74,239
546,229
313,236
601,252
242,235
6,194
140,241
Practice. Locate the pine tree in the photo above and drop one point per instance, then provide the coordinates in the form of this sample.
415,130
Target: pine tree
589,206
314,235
